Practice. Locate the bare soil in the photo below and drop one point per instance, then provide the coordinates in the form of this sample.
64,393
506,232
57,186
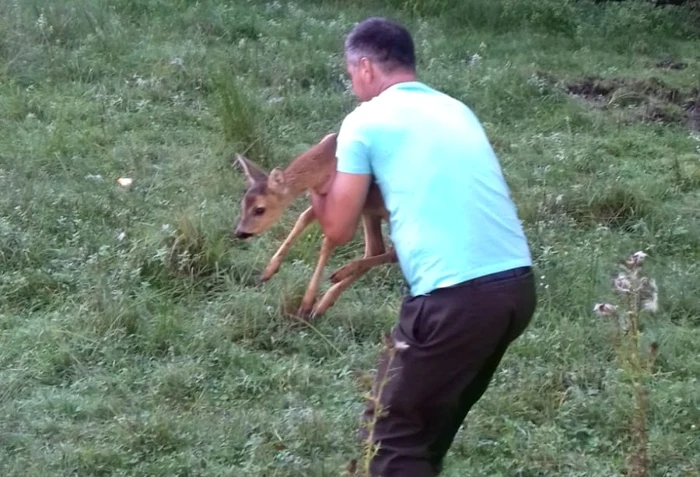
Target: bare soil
645,99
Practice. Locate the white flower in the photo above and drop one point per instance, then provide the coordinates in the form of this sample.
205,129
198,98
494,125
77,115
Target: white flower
636,259
604,309
622,283
649,295
651,305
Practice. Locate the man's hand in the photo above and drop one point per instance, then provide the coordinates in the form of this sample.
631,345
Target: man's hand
338,205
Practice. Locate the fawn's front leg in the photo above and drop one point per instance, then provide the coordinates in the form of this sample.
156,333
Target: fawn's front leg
309,299
304,220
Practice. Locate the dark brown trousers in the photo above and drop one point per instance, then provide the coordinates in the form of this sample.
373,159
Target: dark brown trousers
456,338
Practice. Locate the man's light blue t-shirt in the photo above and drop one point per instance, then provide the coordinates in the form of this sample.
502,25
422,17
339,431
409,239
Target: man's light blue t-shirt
452,218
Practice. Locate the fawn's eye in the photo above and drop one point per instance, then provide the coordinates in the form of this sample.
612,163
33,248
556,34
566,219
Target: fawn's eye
259,210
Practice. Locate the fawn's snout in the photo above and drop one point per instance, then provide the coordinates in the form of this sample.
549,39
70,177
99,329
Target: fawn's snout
240,232
242,235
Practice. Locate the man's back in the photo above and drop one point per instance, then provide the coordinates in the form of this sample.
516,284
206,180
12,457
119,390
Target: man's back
452,220
451,215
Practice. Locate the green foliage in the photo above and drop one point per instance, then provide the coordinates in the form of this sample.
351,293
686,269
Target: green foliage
240,118
135,338
572,18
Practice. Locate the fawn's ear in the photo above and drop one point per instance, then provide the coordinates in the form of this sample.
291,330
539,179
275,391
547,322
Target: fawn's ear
330,138
276,182
252,172
328,143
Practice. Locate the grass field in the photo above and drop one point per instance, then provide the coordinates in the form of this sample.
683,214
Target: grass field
134,337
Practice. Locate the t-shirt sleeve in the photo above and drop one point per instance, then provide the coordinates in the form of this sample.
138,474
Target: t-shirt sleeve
352,149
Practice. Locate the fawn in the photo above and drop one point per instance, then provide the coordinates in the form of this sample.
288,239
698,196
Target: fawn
268,196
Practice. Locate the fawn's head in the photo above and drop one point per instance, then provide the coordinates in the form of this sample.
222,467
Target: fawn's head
264,201
269,195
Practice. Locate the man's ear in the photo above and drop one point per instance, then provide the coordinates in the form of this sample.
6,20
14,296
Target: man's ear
367,69
276,181
252,172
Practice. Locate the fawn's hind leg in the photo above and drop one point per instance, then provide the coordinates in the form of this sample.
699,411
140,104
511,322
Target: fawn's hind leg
375,251
330,297
309,299
375,254
304,220
374,242
363,265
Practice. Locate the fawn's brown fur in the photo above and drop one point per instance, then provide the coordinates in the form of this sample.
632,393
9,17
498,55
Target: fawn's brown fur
268,196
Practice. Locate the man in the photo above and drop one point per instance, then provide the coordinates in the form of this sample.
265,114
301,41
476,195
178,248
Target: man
458,239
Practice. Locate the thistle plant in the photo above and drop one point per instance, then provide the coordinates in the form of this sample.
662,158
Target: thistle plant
369,448
636,294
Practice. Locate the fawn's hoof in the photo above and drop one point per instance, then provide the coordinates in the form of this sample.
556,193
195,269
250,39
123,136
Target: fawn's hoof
340,274
310,313
320,309
345,272
315,314
305,308
269,271
305,314
266,275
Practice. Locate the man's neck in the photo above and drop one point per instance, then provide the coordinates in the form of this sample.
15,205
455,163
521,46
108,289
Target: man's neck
396,78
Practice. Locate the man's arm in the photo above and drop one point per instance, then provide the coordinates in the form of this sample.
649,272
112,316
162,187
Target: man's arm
339,205
339,210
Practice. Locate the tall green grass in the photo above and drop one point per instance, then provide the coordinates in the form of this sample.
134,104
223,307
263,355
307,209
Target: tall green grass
135,338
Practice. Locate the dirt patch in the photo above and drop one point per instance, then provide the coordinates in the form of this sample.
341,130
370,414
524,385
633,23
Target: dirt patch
634,90
649,100
670,64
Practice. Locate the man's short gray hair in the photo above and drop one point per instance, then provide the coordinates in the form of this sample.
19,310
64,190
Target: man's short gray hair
383,41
